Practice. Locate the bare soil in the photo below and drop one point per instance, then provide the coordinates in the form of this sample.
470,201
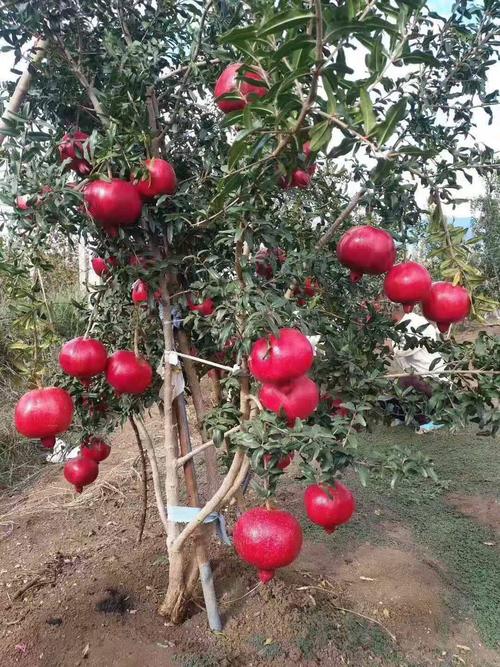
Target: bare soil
77,589
482,509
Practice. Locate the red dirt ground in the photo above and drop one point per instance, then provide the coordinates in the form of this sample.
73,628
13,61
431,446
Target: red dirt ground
95,592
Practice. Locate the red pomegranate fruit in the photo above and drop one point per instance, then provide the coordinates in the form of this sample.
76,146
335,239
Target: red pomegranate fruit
445,304
329,506
298,398
115,203
102,266
407,283
267,539
80,472
205,308
83,358
280,359
282,463
127,373
366,249
140,291
263,261
44,413
71,147
95,449
232,83
161,179
300,179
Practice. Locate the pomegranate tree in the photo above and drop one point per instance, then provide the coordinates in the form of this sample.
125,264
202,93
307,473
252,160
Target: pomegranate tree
268,540
287,94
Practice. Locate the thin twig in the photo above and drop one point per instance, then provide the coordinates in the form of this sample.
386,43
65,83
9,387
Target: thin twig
349,611
148,442
327,236
142,522
472,371
197,450
206,362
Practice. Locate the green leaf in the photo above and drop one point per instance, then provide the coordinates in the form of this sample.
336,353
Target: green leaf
332,102
365,103
238,35
320,135
395,114
297,44
284,21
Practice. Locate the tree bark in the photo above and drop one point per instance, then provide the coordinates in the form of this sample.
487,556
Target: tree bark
22,87
173,606
200,535
213,477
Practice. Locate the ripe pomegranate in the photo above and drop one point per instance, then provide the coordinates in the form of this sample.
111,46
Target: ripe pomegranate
298,398
161,179
229,84
263,263
300,178
310,289
71,147
80,472
276,360
83,358
329,506
44,413
95,449
267,539
282,463
446,303
140,291
113,204
366,249
102,266
407,283
205,308
22,203
127,373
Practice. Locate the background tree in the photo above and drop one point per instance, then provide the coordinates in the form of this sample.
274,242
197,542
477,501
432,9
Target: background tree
486,225
139,80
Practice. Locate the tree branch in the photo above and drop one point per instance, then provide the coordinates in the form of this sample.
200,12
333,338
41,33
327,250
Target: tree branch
197,450
214,502
82,78
22,87
144,478
328,235
155,474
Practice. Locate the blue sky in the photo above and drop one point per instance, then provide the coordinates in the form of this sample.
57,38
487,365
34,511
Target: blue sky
441,6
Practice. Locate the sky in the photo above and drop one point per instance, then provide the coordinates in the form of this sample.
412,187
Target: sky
484,133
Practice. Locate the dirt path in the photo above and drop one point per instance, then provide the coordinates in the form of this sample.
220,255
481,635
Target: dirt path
91,592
